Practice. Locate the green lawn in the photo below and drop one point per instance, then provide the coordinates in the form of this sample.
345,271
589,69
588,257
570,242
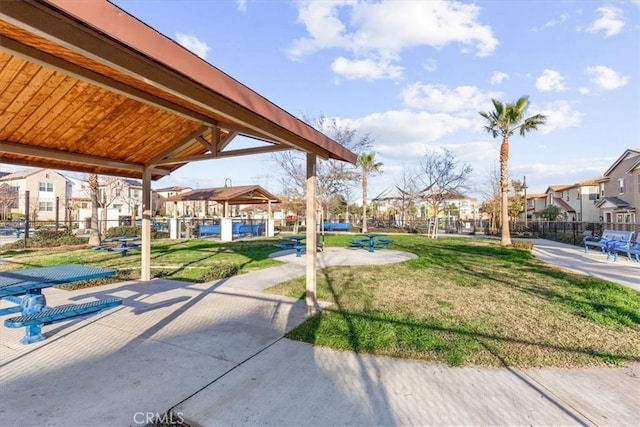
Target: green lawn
462,301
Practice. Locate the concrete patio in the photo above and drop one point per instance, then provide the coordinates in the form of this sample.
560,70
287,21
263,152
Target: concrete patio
215,353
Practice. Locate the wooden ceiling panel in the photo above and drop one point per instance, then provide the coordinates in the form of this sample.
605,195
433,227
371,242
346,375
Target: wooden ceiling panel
85,86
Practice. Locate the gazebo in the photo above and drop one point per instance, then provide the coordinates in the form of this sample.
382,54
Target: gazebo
86,87
226,197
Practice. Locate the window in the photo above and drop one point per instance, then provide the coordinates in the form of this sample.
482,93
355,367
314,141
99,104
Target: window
578,194
601,190
621,186
84,205
45,206
45,187
593,194
567,195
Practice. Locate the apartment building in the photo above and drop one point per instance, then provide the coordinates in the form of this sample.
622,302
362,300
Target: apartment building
619,189
42,194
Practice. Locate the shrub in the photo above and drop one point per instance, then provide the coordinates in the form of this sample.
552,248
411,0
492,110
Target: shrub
220,271
123,231
522,244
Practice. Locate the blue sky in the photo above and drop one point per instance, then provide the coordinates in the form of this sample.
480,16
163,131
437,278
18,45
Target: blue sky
414,74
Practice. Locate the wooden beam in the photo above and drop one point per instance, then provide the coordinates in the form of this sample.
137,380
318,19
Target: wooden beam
47,153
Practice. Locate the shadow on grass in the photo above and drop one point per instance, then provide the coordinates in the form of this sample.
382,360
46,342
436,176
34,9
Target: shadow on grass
352,332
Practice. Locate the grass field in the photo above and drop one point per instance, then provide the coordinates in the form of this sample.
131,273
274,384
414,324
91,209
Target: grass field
462,301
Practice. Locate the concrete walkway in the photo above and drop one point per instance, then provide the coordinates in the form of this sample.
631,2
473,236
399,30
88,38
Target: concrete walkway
594,263
215,353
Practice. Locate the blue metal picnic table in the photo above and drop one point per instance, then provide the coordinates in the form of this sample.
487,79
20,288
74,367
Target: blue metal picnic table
24,288
372,239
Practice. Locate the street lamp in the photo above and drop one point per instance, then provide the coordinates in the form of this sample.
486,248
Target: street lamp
524,187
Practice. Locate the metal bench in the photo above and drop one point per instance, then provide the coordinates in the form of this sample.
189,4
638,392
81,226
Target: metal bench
206,230
34,322
630,249
607,240
336,226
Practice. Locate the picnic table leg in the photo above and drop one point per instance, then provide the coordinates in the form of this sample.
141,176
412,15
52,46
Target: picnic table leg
371,243
33,303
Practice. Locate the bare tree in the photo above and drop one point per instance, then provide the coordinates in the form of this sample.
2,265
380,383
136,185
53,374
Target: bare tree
444,178
333,176
408,188
490,190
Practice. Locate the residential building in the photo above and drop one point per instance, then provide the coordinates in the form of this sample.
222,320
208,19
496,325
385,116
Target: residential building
576,201
47,189
165,209
619,189
536,202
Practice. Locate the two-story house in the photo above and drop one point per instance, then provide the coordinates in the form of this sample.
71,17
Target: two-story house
577,202
536,203
619,189
48,192
159,197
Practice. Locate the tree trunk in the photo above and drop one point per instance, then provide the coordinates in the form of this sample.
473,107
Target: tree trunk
505,239
364,202
94,237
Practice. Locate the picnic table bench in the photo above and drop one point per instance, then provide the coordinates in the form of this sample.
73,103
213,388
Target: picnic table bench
24,288
608,239
632,248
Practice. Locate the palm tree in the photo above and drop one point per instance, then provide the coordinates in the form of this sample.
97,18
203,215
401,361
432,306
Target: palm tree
369,166
503,121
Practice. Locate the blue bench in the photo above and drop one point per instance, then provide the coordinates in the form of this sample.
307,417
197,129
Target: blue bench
360,242
608,239
34,322
243,229
207,230
630,249
336,226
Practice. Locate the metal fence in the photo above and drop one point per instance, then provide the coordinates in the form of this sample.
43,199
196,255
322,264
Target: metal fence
571,232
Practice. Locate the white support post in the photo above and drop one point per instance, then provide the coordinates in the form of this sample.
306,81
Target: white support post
311,297
145,268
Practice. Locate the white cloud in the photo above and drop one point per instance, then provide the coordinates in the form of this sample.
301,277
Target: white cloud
192,43
498,77
399,129
584,90
439,98
611,21
432,64
384,29
606,78
368,69
553,22
242,5
550,81
559,116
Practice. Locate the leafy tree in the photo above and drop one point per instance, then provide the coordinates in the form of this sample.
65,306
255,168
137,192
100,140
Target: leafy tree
504,120
369,165
551,213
